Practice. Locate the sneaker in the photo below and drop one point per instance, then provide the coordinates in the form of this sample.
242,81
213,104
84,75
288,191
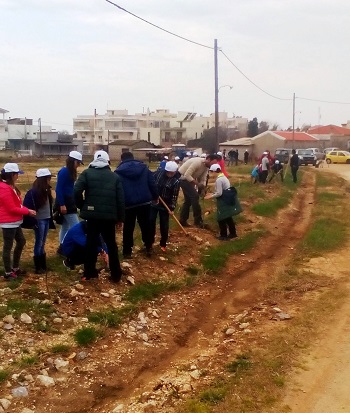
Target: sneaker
163,248
222,238
19,272
68,265
10,276
232,236
114,280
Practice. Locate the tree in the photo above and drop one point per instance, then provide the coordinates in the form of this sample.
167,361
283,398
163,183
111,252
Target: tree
253,128
263,126
275,126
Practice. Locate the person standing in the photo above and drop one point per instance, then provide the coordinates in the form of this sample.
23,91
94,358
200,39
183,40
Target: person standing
264,168
65,193
276,169
221,162
236,157
98,193
168,186
246,156
294,165
140,191
11,218
192,182
163,162
39,198
224,210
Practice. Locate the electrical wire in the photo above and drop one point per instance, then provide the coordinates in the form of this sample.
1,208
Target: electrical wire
322,101
158,27
249,80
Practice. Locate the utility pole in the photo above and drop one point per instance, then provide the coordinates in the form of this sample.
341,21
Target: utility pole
293,137
216,94
107,140
40,139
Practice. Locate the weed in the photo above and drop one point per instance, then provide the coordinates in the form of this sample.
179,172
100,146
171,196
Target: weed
60,349
86,335
111,318
27,361
213,395
242,362
194,406
192,270
270,208
4,374
149,291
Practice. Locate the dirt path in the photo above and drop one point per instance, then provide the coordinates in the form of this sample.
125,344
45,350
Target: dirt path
322,384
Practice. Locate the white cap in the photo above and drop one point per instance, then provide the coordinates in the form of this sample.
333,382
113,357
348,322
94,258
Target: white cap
219,153
204,155
101,156
43,172
277,161
264,153
188,153
171,166
77,156
195,153
215,167
166,157
12,167
177,158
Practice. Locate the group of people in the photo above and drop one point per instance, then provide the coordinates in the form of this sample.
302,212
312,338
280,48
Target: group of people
106,200
268,168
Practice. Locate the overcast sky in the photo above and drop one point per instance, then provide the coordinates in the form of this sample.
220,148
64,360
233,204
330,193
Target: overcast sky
63,58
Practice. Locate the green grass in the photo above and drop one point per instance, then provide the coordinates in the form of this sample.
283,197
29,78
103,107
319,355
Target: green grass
111,318
271,207
4,375
148,291
242,362
87,335
213,259
27,361
18,306
61,349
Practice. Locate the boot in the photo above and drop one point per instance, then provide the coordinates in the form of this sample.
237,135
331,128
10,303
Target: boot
43,262
37,265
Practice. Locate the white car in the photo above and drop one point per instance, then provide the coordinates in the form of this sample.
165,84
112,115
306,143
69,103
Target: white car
320,155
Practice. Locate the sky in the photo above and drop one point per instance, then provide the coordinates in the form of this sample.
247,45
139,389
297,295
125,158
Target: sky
64,58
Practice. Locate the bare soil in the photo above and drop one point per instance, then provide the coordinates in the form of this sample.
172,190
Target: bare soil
186,329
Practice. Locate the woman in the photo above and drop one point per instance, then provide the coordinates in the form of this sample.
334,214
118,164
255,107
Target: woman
225,210
11,217
64,193
221,162
39,198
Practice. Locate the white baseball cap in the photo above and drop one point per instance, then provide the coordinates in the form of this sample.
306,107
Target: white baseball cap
177,158
195,154
277,161
166,157
204,155
215,167
219,153
43,172
101,155
188,153
77,156
12,167
171,166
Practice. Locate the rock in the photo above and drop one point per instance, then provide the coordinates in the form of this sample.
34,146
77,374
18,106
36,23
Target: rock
20,392
105,295
8,319
8,327
45,380
162,258
26,410
79,287
125,265
118,409
5,403
195,374
283,316
57,320
242,326
229,331
74,293
144,337
61,365
130,279
277,310
112,291
82,355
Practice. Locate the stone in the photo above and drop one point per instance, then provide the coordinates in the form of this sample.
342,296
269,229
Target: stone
20,392
61,365
118,409
229,331
8,319
5,403
45,380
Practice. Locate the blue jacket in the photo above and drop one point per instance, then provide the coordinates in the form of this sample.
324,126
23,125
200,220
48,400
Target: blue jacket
138,183
64,190
76,236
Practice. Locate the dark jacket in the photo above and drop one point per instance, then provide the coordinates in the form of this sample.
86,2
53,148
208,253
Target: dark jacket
168,188
294,161
64,191
138,183
31,201
98,194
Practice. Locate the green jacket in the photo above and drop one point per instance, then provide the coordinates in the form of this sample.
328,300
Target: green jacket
98,193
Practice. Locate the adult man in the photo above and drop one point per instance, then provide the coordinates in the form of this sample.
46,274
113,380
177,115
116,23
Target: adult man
276,169
98,194
140,191
168,186
246,156
294,165
264,169
194,175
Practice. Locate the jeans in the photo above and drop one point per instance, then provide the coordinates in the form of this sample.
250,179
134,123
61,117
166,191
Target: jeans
106,228
10,235
40,236
69,220
163,224
141,213
191,199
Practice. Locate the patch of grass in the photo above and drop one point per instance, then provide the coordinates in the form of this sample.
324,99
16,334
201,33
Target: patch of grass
325,234
192,270
242,362
111,318
213,395
326,197
27,361
195,406
61,349
271,207
213,259
4,374
86,335
148,291
17,307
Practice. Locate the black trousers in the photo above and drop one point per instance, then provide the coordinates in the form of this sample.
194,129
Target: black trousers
163,224
227,223
9,236
105,228
77,256
294,170
191,199
141,214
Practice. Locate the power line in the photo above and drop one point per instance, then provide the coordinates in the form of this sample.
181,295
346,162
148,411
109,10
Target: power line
158,27
323,101
258,87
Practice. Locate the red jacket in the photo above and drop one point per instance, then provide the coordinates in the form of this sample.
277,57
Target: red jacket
11,209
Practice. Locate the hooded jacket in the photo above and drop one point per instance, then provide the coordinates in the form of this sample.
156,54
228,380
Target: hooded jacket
11,209
138,183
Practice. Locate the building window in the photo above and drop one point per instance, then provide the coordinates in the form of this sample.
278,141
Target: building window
167,137
178,136
115,137
100,137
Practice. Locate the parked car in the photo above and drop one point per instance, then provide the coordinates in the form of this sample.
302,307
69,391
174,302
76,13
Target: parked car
320,155
306,157
338,157
283,154
330,150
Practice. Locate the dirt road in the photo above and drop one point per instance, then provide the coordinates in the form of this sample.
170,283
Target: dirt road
322,384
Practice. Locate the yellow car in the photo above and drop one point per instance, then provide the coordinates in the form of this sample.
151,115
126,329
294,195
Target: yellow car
338,157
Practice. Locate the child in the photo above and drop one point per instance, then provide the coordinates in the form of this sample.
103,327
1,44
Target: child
11,217
225,210
255,174
39,198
